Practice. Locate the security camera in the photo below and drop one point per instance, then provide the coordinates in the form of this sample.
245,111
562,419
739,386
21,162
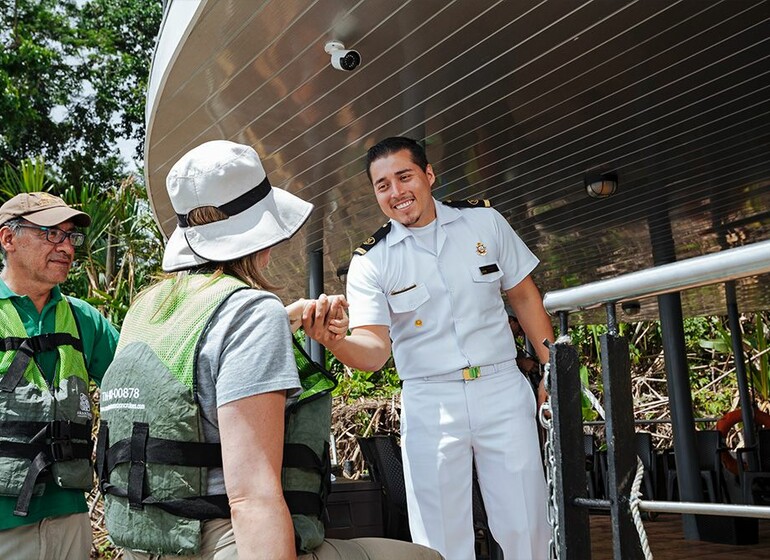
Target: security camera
632,307
346,60
342,59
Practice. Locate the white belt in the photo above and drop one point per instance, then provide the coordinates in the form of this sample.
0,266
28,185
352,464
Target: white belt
471,373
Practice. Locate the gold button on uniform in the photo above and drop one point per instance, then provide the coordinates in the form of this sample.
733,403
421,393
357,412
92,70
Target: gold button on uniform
418,323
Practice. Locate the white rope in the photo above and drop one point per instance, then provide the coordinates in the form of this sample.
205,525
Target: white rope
593,400
635,498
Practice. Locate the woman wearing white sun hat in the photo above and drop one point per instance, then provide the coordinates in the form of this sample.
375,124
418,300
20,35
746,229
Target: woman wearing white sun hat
205,362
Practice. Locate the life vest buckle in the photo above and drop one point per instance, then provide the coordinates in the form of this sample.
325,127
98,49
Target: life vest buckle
41,342
61,450
60,429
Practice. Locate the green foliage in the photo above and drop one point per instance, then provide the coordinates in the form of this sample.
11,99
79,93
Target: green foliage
30,177
74,75
695,328
357,384
710,401
123,244
367,384
353,384
760,366
709,352
586,339
123,247
712,395
754,333
37,43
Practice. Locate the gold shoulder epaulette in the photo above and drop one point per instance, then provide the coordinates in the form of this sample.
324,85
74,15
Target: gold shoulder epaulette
372,241
470,203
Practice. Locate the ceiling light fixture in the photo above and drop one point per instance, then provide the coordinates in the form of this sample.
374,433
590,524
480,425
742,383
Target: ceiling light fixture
601,185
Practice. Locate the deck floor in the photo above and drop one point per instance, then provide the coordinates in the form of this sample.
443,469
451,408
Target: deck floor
667,542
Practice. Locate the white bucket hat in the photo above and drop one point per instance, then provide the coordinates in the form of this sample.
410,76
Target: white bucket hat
230,177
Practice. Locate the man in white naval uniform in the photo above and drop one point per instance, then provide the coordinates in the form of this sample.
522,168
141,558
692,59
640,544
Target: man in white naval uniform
431,280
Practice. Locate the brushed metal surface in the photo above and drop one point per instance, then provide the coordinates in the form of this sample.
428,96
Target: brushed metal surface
516,101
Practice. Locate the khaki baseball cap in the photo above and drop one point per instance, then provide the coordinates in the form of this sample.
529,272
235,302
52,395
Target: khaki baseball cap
42,209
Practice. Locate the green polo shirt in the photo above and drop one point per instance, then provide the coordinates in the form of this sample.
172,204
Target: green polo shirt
99,339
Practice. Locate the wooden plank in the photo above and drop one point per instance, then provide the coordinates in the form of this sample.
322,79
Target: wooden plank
667,541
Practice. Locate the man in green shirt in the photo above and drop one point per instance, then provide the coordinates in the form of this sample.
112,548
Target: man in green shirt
51,346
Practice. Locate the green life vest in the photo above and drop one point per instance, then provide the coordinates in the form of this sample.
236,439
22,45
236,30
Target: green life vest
45,431
152,464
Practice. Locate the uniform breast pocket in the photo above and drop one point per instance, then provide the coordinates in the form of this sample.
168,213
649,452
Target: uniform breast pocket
408,299
489,272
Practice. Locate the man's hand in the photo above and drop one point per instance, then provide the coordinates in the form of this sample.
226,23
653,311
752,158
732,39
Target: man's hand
325,319
542,395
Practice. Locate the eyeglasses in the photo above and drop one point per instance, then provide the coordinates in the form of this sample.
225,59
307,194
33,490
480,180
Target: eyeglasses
56,235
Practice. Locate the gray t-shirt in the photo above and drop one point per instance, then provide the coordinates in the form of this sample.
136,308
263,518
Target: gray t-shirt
245,351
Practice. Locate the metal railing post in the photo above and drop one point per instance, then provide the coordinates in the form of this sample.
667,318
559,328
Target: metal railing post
621,448
315,289
574,540
744,393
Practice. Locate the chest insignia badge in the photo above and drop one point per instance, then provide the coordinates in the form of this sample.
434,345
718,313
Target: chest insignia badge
481,249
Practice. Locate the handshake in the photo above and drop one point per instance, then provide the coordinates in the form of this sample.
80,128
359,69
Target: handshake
323,319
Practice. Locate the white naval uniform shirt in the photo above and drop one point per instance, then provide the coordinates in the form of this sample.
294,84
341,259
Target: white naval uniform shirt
444,310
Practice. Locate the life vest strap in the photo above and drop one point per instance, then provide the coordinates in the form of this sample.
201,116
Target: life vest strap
161,451
304,503
40,342
141,449
197,507
102,443
201,507
301,456
56,429
26,347
41,462
56,451
138,469
41,456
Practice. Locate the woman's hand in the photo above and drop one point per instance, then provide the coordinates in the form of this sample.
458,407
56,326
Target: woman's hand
294,310
325,319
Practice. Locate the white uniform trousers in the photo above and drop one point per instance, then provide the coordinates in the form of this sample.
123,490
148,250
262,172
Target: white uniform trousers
445,426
